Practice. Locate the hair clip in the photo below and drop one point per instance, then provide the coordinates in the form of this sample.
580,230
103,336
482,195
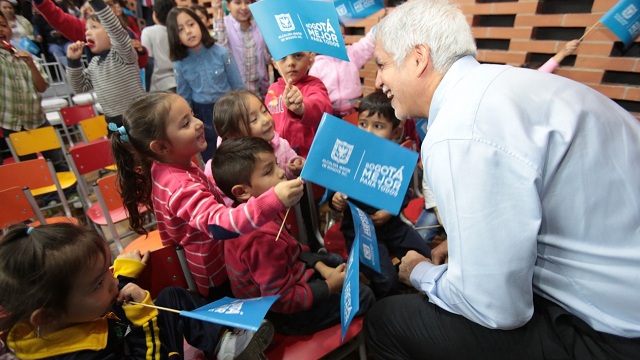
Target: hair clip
123,132
29,230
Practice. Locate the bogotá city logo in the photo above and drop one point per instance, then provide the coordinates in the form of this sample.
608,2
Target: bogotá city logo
285,22
341,151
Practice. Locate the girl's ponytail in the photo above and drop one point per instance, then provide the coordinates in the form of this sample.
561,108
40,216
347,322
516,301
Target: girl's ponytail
144,121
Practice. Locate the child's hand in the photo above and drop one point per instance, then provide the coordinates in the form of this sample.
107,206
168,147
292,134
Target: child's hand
289,192
380,217
131,292
24,56
74,51
137,46
339,201
136,255
295,166
292,98
335,278
570,47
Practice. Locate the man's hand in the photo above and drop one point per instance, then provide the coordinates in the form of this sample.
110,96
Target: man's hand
408,262
440,254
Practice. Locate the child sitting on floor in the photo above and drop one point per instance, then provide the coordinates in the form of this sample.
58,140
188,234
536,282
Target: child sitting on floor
270,261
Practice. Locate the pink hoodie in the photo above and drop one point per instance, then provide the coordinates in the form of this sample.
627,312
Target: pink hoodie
342,78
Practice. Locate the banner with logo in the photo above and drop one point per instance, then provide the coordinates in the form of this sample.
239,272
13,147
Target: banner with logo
624,20
365,233
348,10
238,313
293,26
350,296
366,167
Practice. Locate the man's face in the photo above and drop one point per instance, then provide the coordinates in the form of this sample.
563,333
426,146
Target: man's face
390,78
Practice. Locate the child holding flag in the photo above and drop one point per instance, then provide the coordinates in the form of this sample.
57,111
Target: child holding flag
394,235
270,260
297,101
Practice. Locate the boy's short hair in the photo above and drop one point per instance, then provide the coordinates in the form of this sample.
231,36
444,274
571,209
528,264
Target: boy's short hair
234,161
378,103
162,8
94,17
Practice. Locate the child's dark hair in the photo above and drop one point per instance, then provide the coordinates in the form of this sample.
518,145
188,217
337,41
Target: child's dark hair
177,51
162,8
202,9
234,160
38,267
231,114
378,103
145,121
94,17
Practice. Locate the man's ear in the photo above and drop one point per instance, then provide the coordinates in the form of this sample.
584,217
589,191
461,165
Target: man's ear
421,58
159,147
241,192
42,317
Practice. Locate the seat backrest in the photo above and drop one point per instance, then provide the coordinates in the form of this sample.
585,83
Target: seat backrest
34,141
94,128
32,173
163,269
91,156
17,207
72,115
106,187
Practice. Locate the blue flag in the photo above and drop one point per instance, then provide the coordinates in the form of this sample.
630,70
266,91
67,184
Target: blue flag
366,235
357,9
421,127
366,167
624,20
293,26
350,297
238,313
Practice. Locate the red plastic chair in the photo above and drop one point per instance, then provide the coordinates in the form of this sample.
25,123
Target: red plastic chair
111,209
323,343
72,115
164,269
37,174
19,206
87,158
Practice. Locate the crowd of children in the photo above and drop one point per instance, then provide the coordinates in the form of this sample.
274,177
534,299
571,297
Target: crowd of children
210,97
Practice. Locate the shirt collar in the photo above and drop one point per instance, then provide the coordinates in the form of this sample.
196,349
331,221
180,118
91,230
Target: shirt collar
456,72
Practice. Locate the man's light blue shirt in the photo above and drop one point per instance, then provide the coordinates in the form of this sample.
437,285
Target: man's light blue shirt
537,180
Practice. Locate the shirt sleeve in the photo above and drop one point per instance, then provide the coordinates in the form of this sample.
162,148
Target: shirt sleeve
492,224
316,102
550,66
361,51
182,85
68,25
120,42
230,68
202,210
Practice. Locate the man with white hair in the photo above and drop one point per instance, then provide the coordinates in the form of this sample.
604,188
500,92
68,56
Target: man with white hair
537,180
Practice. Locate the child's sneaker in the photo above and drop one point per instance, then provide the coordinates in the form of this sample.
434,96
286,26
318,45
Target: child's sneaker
244,345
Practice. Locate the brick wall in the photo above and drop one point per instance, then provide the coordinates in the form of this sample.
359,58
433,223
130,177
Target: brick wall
530,31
